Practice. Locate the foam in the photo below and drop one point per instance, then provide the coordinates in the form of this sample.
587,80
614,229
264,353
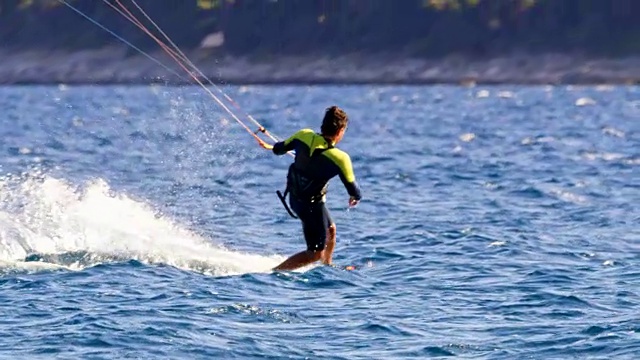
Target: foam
90,225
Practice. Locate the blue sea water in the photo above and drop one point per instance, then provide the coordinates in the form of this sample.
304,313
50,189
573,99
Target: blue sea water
498,222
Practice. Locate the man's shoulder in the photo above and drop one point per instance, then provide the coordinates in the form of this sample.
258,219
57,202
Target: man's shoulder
338,156
303,133
342,161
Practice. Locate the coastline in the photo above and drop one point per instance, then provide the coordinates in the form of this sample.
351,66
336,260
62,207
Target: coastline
117,65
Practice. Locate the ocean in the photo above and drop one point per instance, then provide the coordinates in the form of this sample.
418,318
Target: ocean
497,222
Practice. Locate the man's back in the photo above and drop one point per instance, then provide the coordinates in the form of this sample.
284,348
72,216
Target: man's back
318,160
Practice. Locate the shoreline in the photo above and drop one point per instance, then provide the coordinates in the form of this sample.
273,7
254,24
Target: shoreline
116,65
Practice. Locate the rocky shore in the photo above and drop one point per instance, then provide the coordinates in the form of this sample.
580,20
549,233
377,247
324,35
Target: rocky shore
118,65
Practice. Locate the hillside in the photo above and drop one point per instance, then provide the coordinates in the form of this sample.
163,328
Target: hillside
408,41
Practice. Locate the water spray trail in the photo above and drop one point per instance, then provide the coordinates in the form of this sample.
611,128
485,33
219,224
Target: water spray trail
47,223
190,63
178,57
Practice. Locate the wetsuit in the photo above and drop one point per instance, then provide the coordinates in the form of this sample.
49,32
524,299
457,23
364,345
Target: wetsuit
316,162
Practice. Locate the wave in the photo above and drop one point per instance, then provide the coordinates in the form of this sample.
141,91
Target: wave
48,223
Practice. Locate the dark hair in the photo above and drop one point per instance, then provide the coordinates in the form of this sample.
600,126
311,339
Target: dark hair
335,119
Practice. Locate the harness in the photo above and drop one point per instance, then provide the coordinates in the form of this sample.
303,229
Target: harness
300,185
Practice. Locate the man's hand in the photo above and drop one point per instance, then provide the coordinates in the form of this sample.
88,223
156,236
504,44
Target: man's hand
353,202
264,145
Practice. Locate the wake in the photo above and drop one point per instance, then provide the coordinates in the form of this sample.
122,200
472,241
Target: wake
48,224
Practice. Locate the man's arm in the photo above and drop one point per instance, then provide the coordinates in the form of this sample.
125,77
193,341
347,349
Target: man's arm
279,148
282,147
348,178
263,144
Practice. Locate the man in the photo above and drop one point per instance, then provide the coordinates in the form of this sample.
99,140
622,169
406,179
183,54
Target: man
317,160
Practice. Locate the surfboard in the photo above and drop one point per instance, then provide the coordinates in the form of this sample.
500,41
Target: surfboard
345,267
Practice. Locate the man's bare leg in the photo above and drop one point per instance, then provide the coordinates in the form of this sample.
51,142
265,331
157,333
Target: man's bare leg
327,253
299,260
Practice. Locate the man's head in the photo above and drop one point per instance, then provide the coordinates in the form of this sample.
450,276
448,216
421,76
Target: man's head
334,123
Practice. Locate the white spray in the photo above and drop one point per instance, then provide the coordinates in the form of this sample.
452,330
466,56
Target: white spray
91,225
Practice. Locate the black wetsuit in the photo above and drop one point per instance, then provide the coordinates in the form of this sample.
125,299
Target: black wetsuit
316,162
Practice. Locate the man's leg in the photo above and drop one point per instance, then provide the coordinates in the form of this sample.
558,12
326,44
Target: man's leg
315,233
330,227
327,254
299,260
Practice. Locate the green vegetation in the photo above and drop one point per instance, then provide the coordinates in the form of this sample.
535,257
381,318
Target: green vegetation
409,27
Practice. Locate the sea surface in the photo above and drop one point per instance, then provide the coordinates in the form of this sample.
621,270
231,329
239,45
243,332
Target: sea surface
498,222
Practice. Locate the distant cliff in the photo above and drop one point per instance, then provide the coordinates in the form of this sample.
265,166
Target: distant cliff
327,41
423,28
